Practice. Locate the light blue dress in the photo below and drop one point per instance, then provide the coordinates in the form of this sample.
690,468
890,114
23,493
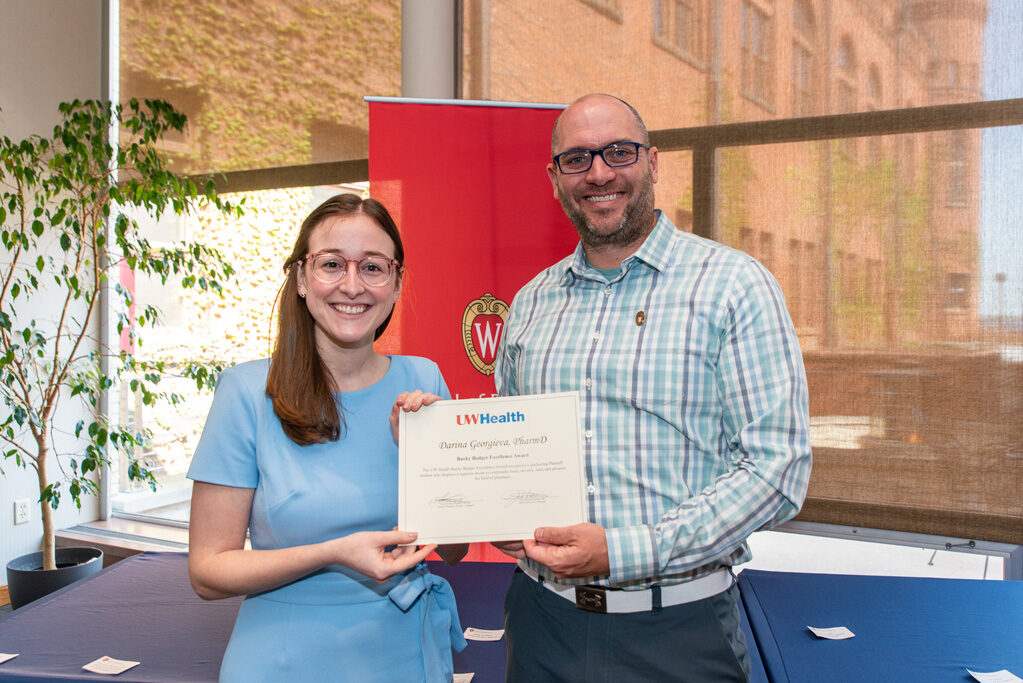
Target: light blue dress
336,624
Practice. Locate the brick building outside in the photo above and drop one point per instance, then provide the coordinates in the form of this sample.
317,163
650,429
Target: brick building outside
875,240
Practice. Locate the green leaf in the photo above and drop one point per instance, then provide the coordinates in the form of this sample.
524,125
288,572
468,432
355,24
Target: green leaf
65,241
40,263
37,228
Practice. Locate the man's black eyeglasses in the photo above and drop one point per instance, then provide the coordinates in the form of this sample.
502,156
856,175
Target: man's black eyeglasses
616,155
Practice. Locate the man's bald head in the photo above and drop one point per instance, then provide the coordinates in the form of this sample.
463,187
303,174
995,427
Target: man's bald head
596,97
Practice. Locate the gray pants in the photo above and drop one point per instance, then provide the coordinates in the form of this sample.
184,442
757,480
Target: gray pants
549,639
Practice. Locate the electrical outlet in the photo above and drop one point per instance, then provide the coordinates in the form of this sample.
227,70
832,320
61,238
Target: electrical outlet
21,511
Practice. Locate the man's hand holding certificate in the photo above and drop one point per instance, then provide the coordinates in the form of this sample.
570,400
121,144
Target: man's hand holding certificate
490,469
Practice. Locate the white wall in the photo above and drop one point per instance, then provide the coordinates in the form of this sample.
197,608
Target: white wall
51,51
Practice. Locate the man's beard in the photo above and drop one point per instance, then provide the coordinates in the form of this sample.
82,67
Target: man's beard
635,223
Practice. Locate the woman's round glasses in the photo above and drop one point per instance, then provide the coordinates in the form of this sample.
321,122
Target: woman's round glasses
330,267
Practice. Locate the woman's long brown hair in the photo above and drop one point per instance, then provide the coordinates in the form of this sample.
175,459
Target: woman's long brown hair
299,383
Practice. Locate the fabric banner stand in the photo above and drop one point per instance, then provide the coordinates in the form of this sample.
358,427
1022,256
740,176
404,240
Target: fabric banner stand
465,182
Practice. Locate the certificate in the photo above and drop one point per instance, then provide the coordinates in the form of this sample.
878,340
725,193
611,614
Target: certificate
490,469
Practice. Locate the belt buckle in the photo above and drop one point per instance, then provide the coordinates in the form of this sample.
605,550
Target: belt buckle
591,599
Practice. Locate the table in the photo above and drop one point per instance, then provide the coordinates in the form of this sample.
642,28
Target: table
906,629
479,591
143,609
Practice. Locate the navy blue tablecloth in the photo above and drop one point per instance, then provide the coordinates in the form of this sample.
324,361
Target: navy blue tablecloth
143,609
479,591
906,629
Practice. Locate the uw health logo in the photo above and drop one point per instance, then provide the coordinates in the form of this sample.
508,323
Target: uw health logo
490,418
482,324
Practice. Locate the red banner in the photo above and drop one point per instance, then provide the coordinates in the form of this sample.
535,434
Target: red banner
467,187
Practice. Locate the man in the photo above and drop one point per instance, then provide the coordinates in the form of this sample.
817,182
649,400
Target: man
695,424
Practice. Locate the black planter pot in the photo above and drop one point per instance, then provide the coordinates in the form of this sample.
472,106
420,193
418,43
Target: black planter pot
27,581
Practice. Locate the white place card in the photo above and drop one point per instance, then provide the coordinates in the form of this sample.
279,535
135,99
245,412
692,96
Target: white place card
462,678
4,657
1002,676
109,665
832,633
483,634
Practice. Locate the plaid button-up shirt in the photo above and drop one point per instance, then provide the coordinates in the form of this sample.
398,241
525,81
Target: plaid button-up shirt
693,399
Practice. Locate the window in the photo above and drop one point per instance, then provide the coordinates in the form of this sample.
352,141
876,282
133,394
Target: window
188,100
609,8
266,51
844,261
845,90
875,151
875,279
956,191
802,58
757,46
874,103
863,315
846,62
846,58
678,27
846,97
765,253
272,77
795,290
874,89
330,141
813,299
746,241
957,293
909,163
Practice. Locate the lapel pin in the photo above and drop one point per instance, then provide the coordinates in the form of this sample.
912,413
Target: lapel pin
640,318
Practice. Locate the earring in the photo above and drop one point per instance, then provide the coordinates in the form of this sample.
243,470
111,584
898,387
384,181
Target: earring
301,295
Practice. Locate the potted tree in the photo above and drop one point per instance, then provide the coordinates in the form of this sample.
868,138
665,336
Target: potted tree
67,204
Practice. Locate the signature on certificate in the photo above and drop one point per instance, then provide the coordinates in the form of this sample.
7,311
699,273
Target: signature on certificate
523,497
451,500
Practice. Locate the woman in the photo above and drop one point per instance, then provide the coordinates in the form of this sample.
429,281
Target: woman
301,450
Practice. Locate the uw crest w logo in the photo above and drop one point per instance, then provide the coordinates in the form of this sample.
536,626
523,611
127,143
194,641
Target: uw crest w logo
482,325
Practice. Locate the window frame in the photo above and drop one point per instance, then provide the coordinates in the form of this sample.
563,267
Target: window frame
803,59
611,9
666,26
758,60
956,169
